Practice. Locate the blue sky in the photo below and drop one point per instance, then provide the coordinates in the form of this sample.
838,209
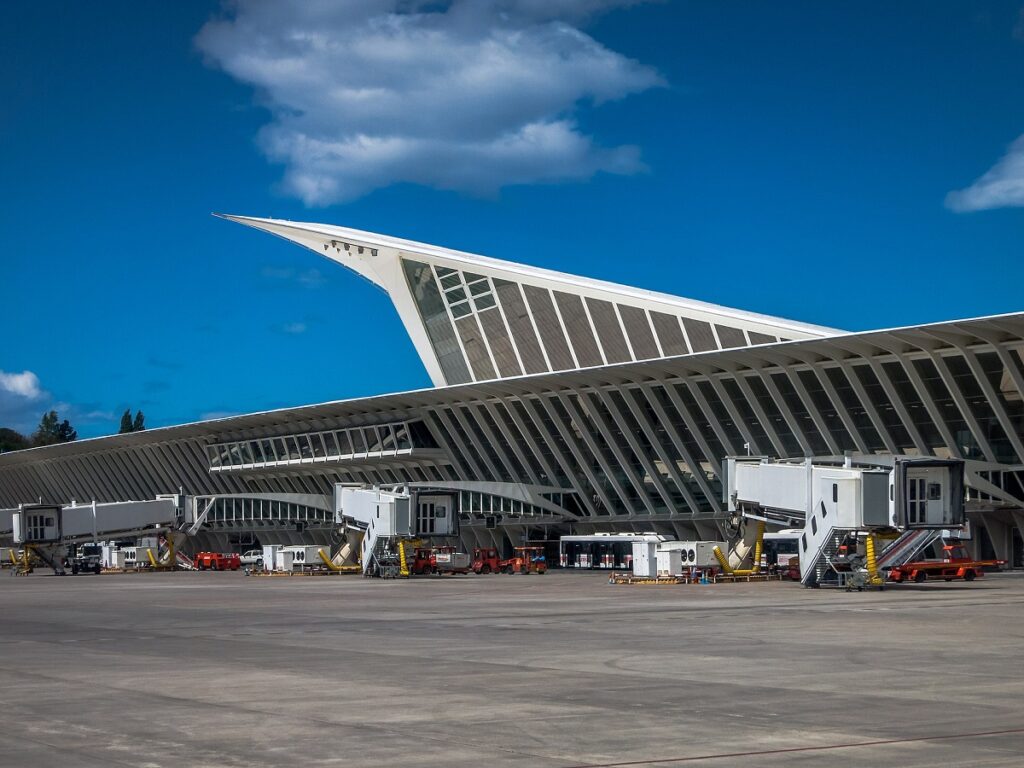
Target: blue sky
847,164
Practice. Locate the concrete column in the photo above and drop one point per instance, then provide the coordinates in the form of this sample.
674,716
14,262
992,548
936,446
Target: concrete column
999,534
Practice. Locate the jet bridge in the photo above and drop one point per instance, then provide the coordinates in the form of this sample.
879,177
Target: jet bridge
857,516
388,519
48,530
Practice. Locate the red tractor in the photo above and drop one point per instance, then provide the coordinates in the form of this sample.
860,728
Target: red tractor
486,560
526,560
423,561
217,561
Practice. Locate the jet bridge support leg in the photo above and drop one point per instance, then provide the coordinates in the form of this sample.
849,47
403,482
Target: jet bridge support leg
875,579
755,565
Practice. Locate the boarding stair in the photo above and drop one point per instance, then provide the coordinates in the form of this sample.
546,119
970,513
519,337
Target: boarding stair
908,547
53,557
184,561
819,546
381,555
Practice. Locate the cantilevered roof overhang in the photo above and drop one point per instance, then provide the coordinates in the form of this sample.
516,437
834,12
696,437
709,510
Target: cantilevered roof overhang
953,336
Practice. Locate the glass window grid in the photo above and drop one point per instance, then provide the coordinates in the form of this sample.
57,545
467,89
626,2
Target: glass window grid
466,292
312,446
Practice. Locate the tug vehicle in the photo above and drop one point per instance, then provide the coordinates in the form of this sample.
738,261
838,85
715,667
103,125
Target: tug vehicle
87,559
955,564
423,561
486,560
217,561
526,560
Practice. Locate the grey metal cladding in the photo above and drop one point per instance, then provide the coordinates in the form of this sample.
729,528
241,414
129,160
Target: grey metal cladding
669,334
501,346
639,332
702,338
609,331
578,327
730,337
476,351
550,329
519,324
435,319
760,338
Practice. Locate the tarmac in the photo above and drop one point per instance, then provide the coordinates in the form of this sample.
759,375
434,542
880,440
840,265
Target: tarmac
561,670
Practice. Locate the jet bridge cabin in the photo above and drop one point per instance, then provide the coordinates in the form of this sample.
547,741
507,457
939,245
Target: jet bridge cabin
898,493
928,493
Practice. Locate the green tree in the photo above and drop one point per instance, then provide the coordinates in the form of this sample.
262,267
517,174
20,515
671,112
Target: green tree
126,422
11,440
140,422
51,430
66,433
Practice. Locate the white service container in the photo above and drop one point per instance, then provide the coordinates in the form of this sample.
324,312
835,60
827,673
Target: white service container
305,555
270,556
285,560
670,562
645,558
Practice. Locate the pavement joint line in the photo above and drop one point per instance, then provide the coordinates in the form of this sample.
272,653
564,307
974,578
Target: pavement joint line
792,750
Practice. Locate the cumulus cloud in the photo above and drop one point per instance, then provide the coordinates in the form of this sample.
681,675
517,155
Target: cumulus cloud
466,95
1002,186
22,400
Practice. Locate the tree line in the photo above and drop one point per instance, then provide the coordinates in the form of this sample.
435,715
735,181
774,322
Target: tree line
52,430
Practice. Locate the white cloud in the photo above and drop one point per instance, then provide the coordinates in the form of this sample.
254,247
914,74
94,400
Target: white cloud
468,95
22,400
24,384
1002,186
294,328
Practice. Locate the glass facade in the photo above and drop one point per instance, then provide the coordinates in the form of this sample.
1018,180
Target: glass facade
483,328
436,321
334,445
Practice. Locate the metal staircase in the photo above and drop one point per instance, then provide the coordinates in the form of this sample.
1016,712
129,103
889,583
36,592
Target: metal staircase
819,543
829,549
381,555
908,547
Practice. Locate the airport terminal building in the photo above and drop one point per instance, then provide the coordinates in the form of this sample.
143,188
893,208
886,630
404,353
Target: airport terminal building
564,404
